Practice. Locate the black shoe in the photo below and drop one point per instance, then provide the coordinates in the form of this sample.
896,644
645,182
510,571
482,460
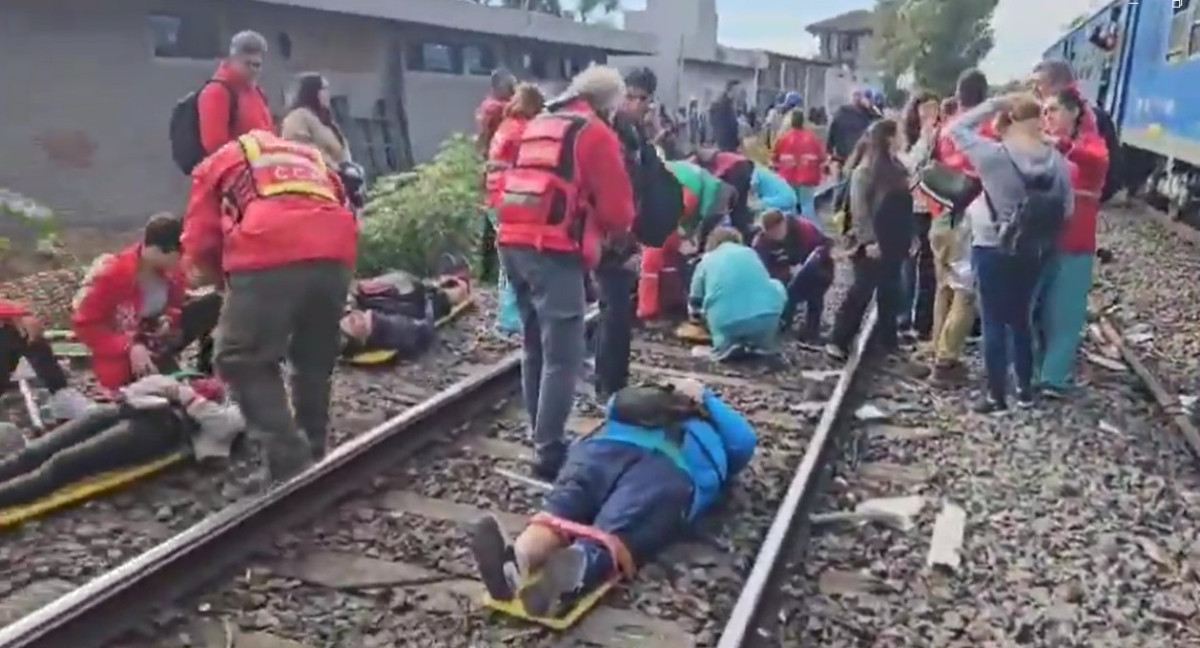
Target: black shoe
1025,398
990,406
549,462
494,558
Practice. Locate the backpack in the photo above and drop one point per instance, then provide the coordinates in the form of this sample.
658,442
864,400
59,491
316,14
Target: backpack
1032,232
1112,182
187,149
661,204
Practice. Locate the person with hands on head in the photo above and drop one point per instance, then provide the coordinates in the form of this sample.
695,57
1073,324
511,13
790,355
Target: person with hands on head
133,312
665,455
274,220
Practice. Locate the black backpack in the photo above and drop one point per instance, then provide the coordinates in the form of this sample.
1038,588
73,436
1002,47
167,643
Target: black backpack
1036,223
187,149
661,203
1108,131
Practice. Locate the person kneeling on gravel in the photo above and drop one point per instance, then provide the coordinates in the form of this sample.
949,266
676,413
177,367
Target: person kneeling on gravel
735,296
398,312
663,456
21,337
151,419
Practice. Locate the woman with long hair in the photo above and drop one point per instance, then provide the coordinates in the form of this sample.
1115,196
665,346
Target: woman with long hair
1062,310
310,120
919,286
527,101
1014,171
881,231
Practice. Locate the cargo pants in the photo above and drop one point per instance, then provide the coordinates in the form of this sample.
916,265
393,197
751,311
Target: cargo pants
290,312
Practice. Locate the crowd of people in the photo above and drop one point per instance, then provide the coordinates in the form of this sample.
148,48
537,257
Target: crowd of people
988,212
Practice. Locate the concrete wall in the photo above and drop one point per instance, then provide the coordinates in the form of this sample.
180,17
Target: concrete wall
85,103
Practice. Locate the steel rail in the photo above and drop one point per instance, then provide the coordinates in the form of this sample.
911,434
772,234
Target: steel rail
741,629
117,600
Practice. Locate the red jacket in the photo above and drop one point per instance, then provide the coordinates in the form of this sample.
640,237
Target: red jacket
605,195
502,153
798,157
107,312
946,152
12,310
488,117
294,210
253,111
1088,155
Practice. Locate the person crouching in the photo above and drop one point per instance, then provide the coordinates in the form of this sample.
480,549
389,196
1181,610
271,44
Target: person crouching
133,311
663,457
735,296
797,254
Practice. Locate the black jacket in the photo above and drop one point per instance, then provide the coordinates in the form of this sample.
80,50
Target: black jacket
848,125
657,194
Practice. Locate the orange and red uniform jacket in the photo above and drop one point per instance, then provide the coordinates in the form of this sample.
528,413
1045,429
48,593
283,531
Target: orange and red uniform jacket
12,310
1088,155
253,111
798,157
946,152
488,117
502,153
107,312
288,209
605,195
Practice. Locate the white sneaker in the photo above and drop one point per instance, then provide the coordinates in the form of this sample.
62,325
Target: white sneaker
68,404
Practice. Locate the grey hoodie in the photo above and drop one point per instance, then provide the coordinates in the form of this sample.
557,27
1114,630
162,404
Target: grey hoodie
994,163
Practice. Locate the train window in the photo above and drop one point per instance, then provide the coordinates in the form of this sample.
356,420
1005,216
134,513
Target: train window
1180,35
1180,6
1194,40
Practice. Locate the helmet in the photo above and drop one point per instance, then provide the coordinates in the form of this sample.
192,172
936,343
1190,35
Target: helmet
793,100
354,181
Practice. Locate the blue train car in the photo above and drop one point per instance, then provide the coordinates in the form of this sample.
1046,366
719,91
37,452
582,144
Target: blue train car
1098,50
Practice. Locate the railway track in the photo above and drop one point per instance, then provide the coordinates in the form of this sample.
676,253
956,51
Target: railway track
368,549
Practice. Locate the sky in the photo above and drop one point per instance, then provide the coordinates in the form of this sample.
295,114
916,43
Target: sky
1024,28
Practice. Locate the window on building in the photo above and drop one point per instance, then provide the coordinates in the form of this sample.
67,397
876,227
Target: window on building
536,64
479,60
432,56
184,37
849,44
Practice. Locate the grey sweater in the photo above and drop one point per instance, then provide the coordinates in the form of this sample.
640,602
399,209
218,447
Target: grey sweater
994,162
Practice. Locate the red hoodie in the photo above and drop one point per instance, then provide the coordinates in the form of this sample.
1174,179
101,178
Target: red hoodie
798,157
253,111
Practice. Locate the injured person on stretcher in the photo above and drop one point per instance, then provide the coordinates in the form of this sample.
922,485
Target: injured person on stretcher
664,455
398,312
151,419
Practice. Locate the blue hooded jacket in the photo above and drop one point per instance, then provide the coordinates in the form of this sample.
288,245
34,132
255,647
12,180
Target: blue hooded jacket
712,453
772,190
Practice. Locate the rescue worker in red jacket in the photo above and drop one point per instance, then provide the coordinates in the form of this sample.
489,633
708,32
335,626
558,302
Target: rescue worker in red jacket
799,157
1062,311
736,170
234,105
566,193
21,337
272,219
490,113
133,313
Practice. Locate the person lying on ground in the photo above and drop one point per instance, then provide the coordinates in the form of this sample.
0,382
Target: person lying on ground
663,457
398,312
798,255
736,298
133,311
151,419
706,200
21,337
768,190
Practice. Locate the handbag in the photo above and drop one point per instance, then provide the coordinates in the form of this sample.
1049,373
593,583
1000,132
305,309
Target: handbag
945,185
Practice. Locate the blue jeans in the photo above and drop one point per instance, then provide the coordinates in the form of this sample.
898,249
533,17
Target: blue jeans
1006,288
635,494
1062,316
614,334
808,286
549,290
806,198
760,333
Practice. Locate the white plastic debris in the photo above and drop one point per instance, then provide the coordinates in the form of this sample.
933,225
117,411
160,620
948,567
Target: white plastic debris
868,413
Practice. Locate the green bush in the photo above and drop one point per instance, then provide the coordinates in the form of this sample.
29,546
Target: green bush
30,216
412,219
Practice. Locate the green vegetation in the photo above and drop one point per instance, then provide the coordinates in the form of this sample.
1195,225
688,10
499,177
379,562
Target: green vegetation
934,40
412,219
29,216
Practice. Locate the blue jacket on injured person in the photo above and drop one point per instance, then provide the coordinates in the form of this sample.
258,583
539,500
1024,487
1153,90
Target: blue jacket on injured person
663,456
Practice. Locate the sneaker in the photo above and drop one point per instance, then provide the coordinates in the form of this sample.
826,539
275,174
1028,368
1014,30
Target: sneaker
561,575
1025,398
990,406
494,557
69,404
836,352
1053,393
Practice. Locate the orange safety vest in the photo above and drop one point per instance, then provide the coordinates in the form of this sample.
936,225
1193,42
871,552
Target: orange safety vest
541,189
281,168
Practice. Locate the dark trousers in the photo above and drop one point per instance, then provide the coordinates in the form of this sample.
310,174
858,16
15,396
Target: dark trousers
920,284
636,494
489,260
39,354
872,277
291,312
1007,286
197,322
808,286
614,334
104,440
740,177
